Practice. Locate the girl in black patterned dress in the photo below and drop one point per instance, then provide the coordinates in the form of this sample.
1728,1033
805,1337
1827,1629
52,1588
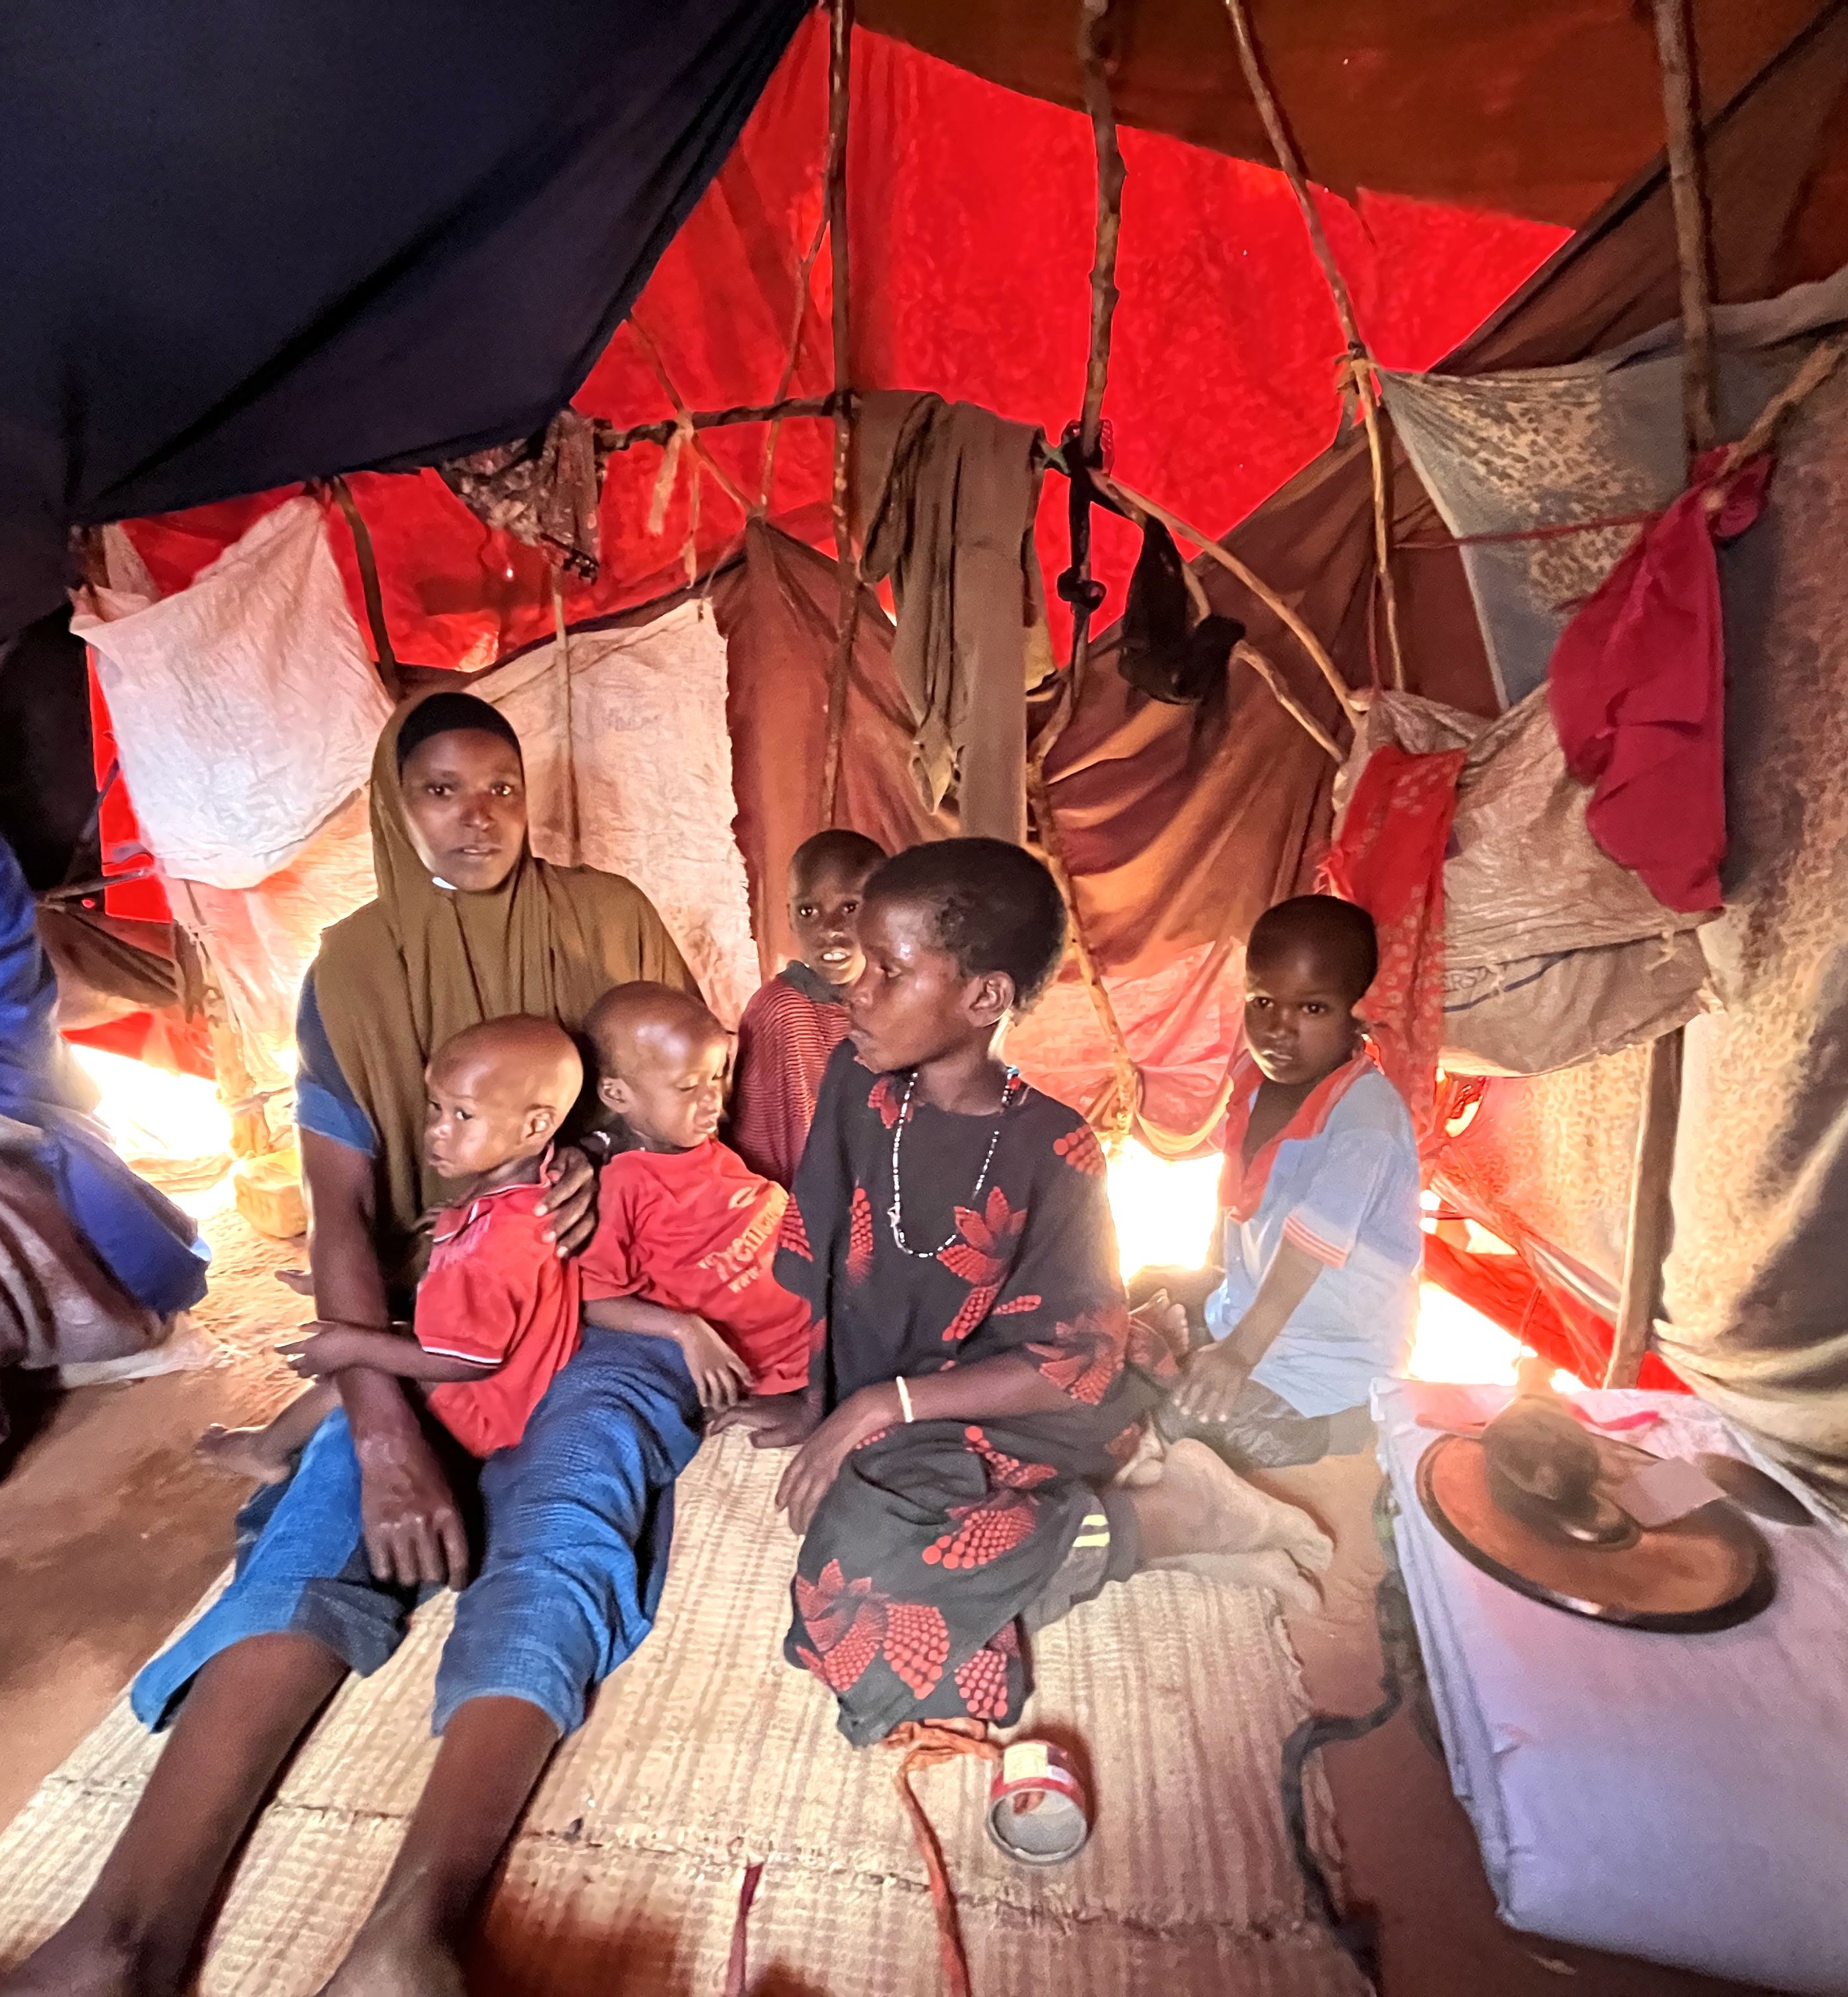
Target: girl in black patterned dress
978,1381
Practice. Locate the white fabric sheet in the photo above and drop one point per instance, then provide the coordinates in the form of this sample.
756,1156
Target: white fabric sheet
1677,1797
245,706
649,767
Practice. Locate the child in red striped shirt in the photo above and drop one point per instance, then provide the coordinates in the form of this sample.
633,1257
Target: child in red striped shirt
797,1019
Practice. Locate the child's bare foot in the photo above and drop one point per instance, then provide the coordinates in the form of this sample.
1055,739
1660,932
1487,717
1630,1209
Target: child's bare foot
397,1961
242,1453
1202,1509
1147,1463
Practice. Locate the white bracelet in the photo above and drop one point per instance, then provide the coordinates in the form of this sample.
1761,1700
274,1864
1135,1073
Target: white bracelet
904,1388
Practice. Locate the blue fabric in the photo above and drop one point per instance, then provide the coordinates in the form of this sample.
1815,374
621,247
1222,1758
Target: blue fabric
464,200
146,1243
1348,1195
324,1102
577,1521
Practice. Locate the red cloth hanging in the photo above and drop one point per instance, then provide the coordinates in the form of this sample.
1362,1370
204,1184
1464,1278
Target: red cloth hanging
1389,858
1637,684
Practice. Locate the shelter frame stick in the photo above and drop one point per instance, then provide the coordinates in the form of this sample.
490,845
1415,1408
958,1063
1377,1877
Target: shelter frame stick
840,71
685,420
1694,243
385,659
1651,1217
1114,1113
1136,502
573,829
798,312
1093,68
1359,365
1250,656
1646,1238
662,431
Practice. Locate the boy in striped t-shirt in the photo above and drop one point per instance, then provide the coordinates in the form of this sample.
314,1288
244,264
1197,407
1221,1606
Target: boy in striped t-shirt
1319,1207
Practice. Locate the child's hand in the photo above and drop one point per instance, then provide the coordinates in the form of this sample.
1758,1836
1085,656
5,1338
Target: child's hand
320,1351
721,1376
773,1421
1213,1378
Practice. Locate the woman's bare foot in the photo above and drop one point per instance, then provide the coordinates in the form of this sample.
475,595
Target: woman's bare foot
1270,1567
1202,1510
242,1453
83,1959
397,1961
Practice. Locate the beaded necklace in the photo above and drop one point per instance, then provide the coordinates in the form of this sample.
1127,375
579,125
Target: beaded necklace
894,1214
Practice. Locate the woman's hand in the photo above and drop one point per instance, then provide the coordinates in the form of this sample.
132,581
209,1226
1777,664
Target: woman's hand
810,1478
571,1204
720,1375
1210,1387
772,1421
413,1531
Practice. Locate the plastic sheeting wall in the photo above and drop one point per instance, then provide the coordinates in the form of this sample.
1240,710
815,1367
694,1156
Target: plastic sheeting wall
629,768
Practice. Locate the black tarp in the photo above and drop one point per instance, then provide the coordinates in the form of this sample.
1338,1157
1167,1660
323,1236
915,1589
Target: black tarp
249,244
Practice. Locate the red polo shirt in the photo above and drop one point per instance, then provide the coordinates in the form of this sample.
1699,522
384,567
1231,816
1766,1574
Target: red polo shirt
696,1231
497,1294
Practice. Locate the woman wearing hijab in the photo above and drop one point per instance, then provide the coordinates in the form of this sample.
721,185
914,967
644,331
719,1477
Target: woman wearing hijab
467,926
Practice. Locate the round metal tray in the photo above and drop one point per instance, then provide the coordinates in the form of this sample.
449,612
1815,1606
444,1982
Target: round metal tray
1709,1570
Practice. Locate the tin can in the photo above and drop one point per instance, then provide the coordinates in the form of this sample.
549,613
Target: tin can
1038,1811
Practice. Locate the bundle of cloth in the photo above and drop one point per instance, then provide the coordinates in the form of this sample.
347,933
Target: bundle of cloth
94,1262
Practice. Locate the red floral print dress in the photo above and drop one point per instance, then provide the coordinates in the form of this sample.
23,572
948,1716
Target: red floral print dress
937,1536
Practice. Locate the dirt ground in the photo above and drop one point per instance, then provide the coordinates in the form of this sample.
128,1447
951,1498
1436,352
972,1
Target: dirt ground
110,1529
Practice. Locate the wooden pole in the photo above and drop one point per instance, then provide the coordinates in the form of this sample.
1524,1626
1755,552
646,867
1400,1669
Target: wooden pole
1249,655
1693,242
1113,1114
384,659
1646,1243
1651,1220
1093,68
840,58
1359,366
798,312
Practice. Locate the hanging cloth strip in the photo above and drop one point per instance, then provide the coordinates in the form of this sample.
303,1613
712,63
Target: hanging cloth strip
1637,686
544,490
1389,858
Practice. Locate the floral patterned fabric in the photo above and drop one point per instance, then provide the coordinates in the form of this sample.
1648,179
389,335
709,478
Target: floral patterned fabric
1389,858
938,1536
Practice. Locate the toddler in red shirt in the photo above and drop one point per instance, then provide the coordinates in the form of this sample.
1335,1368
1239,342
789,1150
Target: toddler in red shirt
497,1313
686,1230
797,1019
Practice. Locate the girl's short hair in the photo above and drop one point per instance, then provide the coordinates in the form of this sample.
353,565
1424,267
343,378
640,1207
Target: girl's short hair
994,907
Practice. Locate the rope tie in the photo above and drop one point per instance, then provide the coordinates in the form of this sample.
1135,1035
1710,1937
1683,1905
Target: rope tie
925,1744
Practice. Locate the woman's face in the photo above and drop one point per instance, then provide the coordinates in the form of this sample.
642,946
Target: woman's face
465,796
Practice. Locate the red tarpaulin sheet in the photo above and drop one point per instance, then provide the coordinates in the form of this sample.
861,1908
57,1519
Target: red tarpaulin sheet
972,219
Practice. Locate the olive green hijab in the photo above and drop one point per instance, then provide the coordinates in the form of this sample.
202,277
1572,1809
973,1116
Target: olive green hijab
398,977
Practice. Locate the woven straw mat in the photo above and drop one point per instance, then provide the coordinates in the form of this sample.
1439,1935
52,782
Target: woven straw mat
706,1751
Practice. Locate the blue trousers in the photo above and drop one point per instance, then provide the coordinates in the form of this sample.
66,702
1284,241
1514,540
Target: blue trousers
575,1521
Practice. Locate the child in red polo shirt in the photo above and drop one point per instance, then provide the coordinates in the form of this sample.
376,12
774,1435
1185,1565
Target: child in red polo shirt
685,1229
497,1313
797,1019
